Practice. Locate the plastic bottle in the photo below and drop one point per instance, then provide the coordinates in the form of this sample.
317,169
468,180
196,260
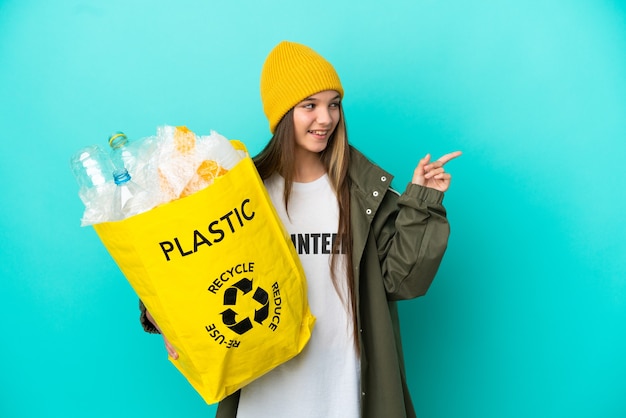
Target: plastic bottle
122,154
128,198
92,169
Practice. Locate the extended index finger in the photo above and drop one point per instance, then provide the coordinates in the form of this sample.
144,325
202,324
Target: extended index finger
444,159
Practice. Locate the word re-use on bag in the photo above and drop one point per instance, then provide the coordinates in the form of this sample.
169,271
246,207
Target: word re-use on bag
218,272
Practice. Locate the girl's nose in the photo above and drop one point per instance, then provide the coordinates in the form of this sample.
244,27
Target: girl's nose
323,116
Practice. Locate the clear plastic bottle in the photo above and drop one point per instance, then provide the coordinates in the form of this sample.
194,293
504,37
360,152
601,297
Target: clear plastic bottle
122,153
128,198
92,169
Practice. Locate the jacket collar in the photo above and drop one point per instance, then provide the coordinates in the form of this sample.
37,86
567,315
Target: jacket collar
366,176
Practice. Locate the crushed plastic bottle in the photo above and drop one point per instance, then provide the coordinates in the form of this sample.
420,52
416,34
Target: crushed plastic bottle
128,198
92,169
123,152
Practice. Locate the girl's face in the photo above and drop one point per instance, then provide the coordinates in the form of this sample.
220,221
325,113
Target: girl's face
315,119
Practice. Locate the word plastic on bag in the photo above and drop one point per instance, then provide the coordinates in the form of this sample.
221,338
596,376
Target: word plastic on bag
199,239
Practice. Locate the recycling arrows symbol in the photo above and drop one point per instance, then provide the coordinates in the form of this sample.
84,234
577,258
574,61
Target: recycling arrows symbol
230,299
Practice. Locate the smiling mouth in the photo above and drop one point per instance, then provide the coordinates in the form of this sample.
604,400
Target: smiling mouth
319,133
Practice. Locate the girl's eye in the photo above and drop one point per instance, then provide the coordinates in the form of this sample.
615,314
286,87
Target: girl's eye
311,106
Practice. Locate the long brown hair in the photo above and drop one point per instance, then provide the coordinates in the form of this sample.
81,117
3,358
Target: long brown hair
277,157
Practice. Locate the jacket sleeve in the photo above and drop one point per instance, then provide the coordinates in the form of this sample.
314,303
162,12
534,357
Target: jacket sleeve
411,236
143,319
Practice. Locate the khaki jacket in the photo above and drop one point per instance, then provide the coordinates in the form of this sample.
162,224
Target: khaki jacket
398,244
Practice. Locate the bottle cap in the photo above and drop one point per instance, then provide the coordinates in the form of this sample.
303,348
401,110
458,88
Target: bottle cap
117,140
121,176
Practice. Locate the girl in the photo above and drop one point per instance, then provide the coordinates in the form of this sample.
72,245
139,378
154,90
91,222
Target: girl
363,246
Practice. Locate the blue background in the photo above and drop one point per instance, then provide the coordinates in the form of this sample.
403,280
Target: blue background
527,316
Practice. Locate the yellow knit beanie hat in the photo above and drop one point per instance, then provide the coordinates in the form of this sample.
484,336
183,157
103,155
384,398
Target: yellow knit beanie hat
291,73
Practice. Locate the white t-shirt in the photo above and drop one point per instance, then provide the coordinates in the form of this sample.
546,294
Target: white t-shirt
324,379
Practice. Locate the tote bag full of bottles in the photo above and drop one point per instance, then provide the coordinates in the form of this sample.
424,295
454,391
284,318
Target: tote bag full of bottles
220,276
